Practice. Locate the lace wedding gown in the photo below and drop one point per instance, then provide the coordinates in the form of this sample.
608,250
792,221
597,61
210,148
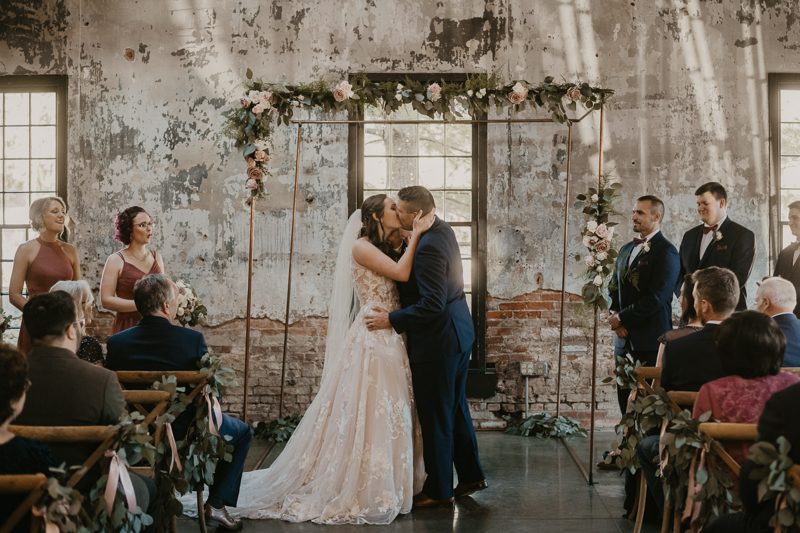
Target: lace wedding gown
356,457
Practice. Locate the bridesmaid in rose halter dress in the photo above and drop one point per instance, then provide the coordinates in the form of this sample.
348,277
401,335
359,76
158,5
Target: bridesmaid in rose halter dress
123,269
42,262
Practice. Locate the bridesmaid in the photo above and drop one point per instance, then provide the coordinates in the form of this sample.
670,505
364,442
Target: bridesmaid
123,269
42,262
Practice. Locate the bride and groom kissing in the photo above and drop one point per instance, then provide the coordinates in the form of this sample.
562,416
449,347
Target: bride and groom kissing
391,418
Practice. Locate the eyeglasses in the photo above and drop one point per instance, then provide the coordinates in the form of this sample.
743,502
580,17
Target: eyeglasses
144,225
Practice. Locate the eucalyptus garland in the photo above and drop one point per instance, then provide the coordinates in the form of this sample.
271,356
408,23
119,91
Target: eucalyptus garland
647,413
773,481
545,425
61,505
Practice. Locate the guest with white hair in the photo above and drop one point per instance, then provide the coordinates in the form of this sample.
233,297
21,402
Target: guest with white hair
90,349
776,297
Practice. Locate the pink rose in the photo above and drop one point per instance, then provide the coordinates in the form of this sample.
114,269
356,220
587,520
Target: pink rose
339,95
434,89
258,109
255,173
260,155
589,260
602,231
251,162
602,246
574,93
245,102
251,184
518,97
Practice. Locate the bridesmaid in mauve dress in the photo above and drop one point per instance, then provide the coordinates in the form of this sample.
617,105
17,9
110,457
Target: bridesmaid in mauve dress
42,262
123,269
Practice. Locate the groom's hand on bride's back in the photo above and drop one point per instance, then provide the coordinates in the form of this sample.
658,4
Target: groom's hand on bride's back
377,319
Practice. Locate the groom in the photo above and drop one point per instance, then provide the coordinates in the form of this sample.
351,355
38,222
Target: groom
440,334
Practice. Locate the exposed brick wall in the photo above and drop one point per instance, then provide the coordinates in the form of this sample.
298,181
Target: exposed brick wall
524,328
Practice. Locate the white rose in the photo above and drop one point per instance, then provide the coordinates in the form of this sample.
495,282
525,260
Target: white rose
180,311
301,97
254,95
595,197
470,93
586,241
599,268
481,93
518,88
602,256
591,225
261,144
399,86
598,280
398,96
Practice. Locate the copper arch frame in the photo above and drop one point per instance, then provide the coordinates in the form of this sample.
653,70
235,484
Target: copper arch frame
587,474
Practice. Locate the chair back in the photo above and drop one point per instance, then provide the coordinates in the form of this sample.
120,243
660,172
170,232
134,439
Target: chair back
683,398
714,431
33,485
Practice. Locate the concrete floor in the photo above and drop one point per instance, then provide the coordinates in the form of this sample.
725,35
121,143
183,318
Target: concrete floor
534,485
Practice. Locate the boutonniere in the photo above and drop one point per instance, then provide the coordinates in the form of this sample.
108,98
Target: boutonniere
717,236
646,247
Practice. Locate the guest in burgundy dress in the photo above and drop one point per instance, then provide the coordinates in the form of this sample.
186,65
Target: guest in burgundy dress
43,261
123,269
750,346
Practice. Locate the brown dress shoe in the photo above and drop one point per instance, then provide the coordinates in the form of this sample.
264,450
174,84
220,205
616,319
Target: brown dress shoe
222,518
465,489
420,500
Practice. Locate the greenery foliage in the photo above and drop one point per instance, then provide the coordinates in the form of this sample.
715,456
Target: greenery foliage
773,477
63,506
279,430
544,426
647,413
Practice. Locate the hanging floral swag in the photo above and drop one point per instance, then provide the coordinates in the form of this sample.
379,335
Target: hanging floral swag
265,105
774,476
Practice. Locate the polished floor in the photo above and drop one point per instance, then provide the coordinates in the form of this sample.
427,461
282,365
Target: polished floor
534,486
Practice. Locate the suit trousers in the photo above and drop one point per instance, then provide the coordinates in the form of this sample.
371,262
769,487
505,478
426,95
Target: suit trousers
146,498
448,436
228,476
649,461
647,357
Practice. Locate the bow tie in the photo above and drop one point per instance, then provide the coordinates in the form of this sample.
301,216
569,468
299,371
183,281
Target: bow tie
637,242
707,229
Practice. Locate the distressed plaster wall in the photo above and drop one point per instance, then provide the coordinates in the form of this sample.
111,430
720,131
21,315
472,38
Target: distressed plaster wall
690,78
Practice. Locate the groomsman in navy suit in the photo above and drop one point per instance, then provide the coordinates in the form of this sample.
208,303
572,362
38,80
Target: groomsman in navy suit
787,266
642,282
718,241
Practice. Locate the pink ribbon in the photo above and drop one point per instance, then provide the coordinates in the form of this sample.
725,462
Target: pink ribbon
780,503
174,447
664,460
214,412
692,508
117,473
49,527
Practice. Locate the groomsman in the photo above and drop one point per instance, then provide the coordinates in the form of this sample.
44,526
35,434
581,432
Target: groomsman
718,241
642,283
787,266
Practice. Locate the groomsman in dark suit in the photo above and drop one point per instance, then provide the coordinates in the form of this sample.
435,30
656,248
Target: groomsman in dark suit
776,297
718,241
642,283
787,266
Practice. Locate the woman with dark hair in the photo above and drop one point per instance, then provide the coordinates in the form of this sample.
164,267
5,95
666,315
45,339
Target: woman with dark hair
43,261
17,455
688,318
124,268
750,346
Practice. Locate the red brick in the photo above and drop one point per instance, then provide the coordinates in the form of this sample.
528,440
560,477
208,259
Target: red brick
512,306
542,306
527,314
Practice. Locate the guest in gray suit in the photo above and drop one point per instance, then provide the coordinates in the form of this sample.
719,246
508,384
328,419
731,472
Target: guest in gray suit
66,391
776,298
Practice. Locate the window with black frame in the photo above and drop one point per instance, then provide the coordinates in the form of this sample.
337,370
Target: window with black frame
32,162
447,160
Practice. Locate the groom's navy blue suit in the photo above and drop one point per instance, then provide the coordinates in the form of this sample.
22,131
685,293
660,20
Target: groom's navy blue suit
439,331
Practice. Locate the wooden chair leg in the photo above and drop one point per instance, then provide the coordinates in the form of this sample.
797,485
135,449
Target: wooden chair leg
201,514
676,526
642,497
665,518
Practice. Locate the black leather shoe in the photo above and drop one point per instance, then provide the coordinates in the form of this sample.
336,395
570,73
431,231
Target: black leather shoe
465,489
222,519
420,500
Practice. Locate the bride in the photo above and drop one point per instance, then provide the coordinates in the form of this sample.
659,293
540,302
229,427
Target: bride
356,457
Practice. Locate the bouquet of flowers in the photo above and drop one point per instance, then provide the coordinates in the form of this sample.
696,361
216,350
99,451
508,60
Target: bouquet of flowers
598,238
5,322
191,310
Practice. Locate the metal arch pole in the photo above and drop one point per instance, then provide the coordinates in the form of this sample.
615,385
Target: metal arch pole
249,303
291,255
563,274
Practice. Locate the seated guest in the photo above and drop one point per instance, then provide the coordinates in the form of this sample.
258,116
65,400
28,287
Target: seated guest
17,455
779,419
786,265
750,346
692,361
91,350
690,322
66,391
776,297
155,343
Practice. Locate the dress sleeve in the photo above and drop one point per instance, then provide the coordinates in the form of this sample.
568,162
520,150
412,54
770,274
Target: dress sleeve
703,403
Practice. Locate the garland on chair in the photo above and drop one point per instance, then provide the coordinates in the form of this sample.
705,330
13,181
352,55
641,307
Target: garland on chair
265,105
776,469
61,505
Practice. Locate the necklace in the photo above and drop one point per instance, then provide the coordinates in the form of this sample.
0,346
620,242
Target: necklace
138,258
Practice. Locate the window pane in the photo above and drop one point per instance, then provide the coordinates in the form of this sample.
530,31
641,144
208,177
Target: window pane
458,206
790,172
431,172
464,237
43,108
466,264
17,109
376,138
17,142
16,208
404,139
431,139
790,139
459,139
790,106
375,173
404,172
459,173
43,142
438,201
16,175
12,239
44,175
8,308
7,267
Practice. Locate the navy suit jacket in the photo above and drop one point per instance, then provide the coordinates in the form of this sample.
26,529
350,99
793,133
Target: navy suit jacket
155,344
434,311
690,362
791,329
736,251
785,269
646,311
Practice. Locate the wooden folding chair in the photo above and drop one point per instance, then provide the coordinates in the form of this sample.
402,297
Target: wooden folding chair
33,485
792,369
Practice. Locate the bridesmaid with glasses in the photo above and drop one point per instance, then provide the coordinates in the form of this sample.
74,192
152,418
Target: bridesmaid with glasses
124,268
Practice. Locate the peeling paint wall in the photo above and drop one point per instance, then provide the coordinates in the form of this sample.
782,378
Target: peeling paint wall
690,76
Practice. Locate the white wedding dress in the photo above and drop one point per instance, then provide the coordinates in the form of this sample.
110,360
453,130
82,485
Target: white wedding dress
356,457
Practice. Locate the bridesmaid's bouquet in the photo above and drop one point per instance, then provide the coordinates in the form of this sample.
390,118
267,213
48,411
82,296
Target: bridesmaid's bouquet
191,310
5,322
